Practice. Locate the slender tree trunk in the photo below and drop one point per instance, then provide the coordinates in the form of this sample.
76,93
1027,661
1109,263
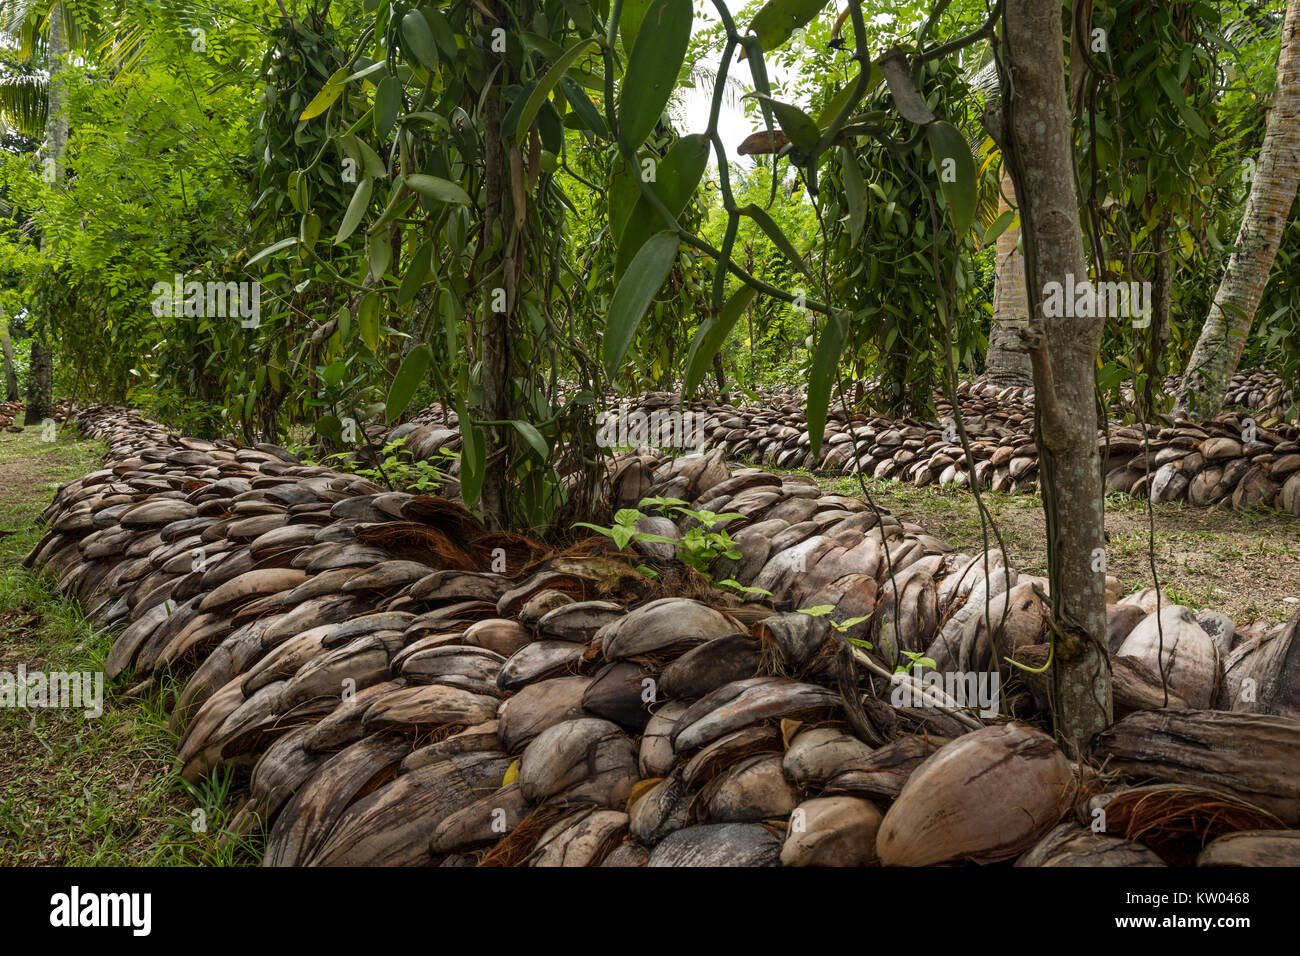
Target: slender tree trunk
40,397
1157,333
495,325
39,381
7,346
1037,129
1272,191
1007,362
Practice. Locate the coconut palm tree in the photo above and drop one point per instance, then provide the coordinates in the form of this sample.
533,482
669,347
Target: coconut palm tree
1007,362
1272,192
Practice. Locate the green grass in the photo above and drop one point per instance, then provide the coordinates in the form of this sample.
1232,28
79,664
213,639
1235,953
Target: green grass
79,791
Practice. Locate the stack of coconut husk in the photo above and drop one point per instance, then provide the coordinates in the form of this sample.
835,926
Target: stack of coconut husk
9,412
396,685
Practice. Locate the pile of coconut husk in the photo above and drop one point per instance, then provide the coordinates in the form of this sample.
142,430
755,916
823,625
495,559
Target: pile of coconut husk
9,411
394,684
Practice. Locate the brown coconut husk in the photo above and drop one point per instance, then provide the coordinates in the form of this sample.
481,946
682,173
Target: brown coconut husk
1176,820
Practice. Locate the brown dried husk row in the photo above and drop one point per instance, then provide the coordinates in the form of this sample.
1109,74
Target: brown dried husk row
391,700
1241,460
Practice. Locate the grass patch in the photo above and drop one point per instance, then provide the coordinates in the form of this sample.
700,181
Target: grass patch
79,791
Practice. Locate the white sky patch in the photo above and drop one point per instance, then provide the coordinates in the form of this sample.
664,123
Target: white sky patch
690,110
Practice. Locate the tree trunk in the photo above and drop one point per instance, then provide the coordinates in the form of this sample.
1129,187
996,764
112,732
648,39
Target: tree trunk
40,398
1007,362
11,379
1063,350
495,324
56,132
1157,333
39,381
1272,191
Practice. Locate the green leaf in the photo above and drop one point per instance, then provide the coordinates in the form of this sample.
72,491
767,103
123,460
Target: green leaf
845,93
328,94
388,103
368,321
956,168
473,457
652,67
636,290
356,209
437,188
855,193
778,19
407,380
676,179
907,97
417,38
533,437
272,249
711,335
440,26
416,272
546,84
629,21
380,256
998,226
583,108
826,360
775,233
798,125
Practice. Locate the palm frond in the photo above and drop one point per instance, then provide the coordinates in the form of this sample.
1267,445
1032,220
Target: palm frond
24,102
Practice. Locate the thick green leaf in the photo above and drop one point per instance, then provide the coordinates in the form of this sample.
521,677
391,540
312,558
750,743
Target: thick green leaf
780,18
711,335
441,29
388,103
676,178
855,193
583,107
623,194
775,233
418,39
368,321
379,255
798,125
956,169
328,94
634,294
356,209
435,187
652,67
546,84
534,438
907,97
473,456
998,226
845,93
821,377
416,272
272,249
407,380
629,21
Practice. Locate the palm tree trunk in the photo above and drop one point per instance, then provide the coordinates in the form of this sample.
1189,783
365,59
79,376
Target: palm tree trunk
1007,362
1272,191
